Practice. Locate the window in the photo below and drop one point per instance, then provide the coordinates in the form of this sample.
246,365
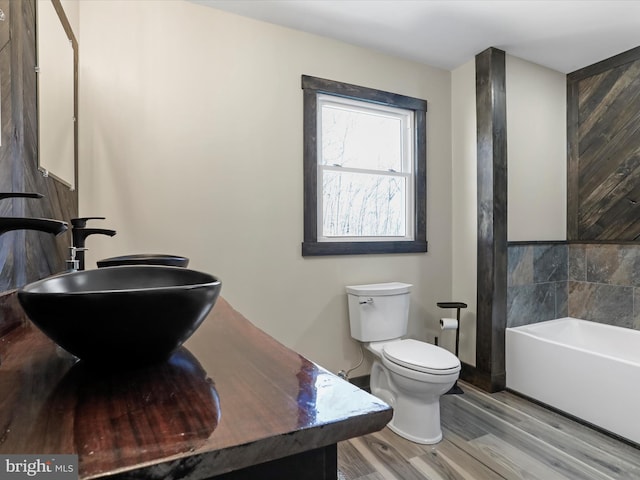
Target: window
364,170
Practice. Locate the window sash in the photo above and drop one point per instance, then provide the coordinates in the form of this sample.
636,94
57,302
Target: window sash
406,172
408,206
404,116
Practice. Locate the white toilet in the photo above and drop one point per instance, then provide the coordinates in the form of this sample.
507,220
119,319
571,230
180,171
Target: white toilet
407,374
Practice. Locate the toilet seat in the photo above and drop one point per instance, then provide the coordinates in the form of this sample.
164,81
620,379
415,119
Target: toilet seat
421,357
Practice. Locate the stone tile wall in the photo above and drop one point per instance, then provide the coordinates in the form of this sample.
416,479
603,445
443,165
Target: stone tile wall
604,284
597,282
537,283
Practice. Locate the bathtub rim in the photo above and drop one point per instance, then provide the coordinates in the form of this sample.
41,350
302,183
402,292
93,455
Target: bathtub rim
529,331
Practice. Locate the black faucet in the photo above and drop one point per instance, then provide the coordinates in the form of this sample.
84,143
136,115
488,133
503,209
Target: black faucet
56,227
79,234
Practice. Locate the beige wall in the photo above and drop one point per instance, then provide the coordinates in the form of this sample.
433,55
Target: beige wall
191,143
536,151
465,200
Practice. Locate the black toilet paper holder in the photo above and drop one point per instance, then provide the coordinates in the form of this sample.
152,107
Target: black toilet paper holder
455,390
458,306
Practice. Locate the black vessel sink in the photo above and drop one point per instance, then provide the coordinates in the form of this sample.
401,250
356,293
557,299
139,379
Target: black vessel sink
144,259
121,316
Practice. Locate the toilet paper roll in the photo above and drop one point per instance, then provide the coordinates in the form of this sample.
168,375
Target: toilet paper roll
448,323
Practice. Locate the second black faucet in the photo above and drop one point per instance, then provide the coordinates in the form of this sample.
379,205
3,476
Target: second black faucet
79,234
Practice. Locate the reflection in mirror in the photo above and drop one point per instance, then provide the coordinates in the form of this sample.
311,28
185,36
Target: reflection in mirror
56,93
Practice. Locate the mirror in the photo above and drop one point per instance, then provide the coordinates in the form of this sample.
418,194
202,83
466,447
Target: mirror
57,93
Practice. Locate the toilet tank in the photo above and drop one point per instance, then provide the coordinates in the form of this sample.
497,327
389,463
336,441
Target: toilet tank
378,311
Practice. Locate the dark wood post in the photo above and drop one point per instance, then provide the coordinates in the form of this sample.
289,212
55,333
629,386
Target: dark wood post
492,218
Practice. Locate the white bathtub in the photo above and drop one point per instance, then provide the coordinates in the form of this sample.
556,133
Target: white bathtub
586,369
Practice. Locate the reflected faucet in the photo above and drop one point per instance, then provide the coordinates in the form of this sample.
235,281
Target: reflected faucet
56,227
79,234
4,195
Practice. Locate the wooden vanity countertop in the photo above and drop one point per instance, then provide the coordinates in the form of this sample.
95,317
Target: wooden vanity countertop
231,398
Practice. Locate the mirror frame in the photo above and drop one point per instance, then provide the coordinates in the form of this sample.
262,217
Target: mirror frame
66,25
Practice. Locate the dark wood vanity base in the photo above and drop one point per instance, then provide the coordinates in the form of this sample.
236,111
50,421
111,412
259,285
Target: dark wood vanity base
232,404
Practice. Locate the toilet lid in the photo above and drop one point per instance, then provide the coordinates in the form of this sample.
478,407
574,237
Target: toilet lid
422,357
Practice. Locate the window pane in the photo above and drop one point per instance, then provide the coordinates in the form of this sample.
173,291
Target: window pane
359,139
356,204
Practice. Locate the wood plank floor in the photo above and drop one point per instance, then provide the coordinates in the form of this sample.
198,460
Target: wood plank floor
492,437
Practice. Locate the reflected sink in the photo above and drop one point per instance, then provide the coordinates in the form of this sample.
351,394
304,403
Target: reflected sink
123,316
144,259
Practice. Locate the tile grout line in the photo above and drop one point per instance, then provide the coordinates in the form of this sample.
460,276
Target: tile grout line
458,468
488,467
540,441
425,468
475,457
372,459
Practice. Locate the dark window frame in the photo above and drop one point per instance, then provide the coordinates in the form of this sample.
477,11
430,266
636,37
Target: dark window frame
311,87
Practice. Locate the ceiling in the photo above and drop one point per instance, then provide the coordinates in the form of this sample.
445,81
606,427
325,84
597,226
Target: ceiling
564,35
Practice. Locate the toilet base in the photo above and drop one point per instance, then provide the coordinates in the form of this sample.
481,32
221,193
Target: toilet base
417,422
416,404
411,438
